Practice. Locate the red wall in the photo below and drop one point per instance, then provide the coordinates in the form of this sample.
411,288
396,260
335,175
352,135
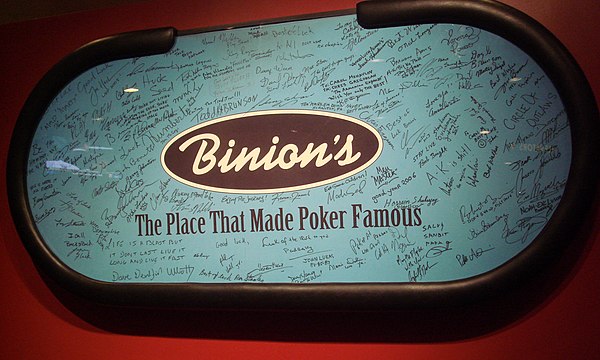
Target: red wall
35,325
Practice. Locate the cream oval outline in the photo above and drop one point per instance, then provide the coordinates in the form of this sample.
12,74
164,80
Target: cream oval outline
309,185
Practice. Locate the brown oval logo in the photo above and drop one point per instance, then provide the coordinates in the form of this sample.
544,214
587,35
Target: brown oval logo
271,151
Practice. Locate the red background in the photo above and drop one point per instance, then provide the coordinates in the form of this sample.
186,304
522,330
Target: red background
34,324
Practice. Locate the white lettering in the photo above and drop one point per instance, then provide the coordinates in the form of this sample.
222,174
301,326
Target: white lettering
202,157
288,156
